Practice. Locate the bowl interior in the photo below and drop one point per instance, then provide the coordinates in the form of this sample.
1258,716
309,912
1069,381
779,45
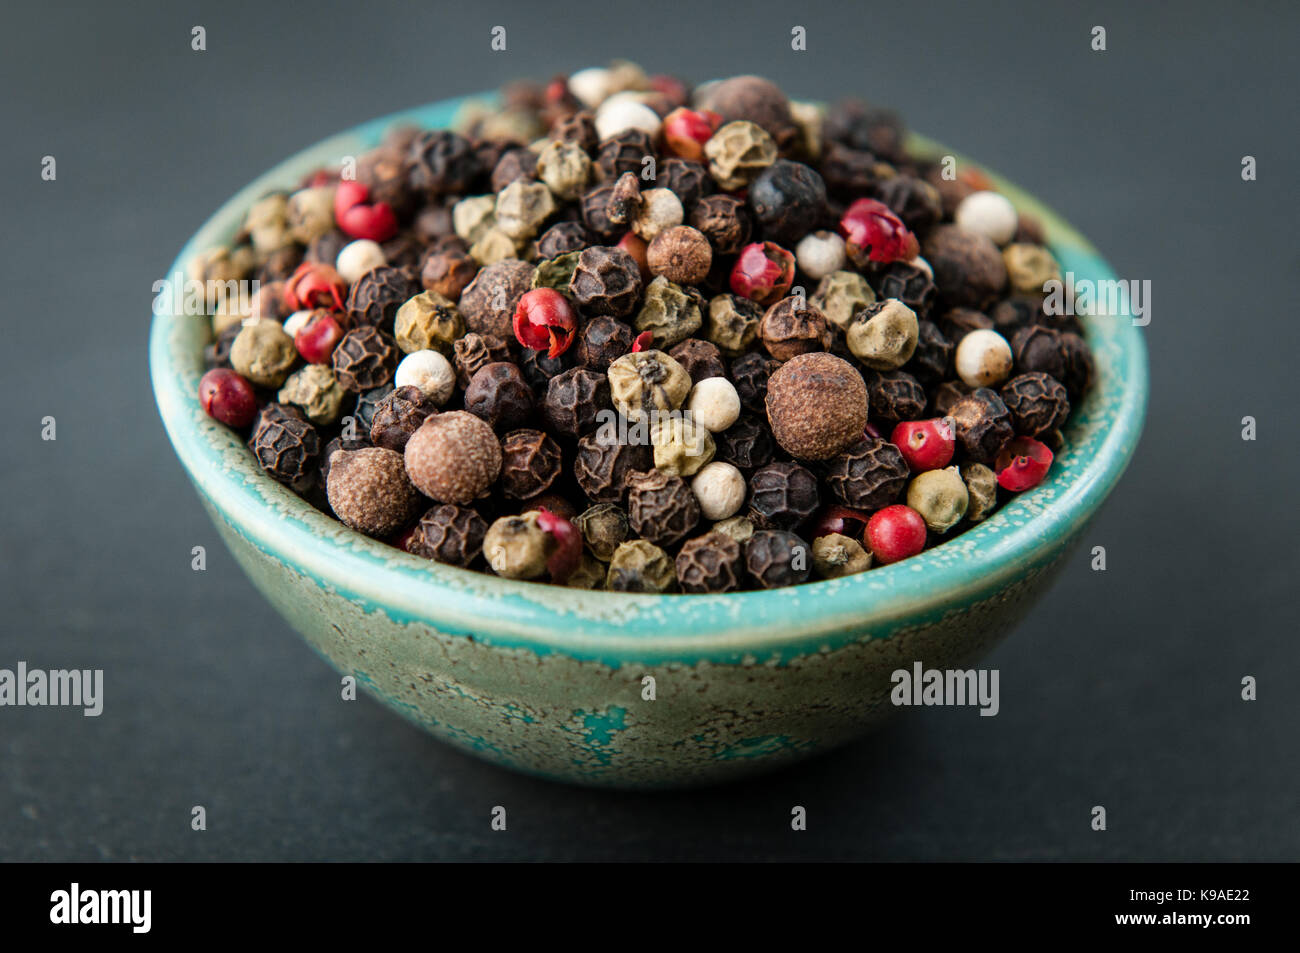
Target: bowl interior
776,625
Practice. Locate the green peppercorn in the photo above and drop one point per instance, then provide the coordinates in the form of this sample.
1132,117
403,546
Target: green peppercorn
841,295
428,322
263,353
940,497
669,313
982,488
641,566
317,391
517,547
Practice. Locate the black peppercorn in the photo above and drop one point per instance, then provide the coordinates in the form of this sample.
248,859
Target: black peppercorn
604,528
530,463
539,369
434,222
1038,348
473,351
606,281
895,396
909,284
789,201
363,414
661,508
386,172
868,476
449,534
488,303
448,273
725,221
338,443
366,358
594,206
945,395
398,415
713,562
746,444
983,425
1038,403
578,127
443,162
862,126
688,180
324,249
624,152
932,358
286,447
700,359
499,395
782,495
575,400
777,558
749,373
562,238
1079,368
625,199
602,341
376,296
601,468
1011,314
956,323
968,267
852,173
913,200
217,354
519,163
280,265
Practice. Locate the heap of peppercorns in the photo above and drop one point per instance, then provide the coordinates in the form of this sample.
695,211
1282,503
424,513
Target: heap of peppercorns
614,333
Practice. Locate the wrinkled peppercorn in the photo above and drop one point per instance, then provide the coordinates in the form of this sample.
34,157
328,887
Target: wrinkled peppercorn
363,413
956,323
443,162
595,212
713,562
782,495
862,126
895,396
777,558
932,359
606,281
398,415
562,238
448,273
910,285
488,304
365,359
688,180
604,528
1079,368
578,127
338,443
602,341
661,508
428,321
530,463
700,359
868,476
539,369
1038,403
624,152
789,200
640,566
725,221
1037,348
793,326
852,173
449,534
746,444
376,296
731,323
645,381
968,268
601,468
514,164
286,447
750,373
499,395
574,401
473,351
913,200
945,395
983,424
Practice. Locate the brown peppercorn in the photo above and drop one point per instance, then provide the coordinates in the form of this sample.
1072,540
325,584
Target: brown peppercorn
530,463
1079,368
983,425
640,566
914,200
488,304
956,323
448,273
755,100
398,416
443,163
817,406
1037,402
286,446
681,254
793,326
968,267
624,152
910,285
725,221
574,401
606,281
868,476
376,296
473,351
945,395
602,341
782,495
661,508
369,490
1038,348
602,467
562,238
688,180
746,444
750,374
604,528
453,457
366,358
448,534
776,558
594,207
625,199
579,128
700,359
731,323
713,562
499,395
931,360
517,163
895,396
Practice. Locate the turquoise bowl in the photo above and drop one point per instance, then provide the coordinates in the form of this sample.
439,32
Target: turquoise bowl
638,691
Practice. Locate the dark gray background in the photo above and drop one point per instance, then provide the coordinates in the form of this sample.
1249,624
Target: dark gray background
1120,689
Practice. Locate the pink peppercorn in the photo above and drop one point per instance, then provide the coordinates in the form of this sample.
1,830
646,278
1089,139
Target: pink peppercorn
895,533
544,321
358,218
925,444
764,272
568,544
1022,464
317,338
873,231
227,397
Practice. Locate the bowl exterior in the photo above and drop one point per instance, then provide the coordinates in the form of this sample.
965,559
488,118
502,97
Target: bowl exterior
628,690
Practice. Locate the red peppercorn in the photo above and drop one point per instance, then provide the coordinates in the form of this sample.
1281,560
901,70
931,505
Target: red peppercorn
842,520
636,246
227,397
874,232
895,533
544,320
670,87
764,272
685,131
1022,464
568,544
313,285
317,338
643,341
360,219
925,444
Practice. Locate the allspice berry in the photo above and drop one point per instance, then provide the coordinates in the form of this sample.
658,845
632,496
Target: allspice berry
368,490
757,99
681,254
453,457
817,406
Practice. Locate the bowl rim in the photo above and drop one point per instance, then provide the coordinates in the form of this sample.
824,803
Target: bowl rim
1024,533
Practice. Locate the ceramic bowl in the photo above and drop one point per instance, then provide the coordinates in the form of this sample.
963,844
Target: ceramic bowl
638,691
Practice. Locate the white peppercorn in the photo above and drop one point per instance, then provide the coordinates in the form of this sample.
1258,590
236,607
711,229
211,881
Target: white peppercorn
721,489
983,358
358,257
429,371
661,210
714,404
622,112
820,253
989,214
